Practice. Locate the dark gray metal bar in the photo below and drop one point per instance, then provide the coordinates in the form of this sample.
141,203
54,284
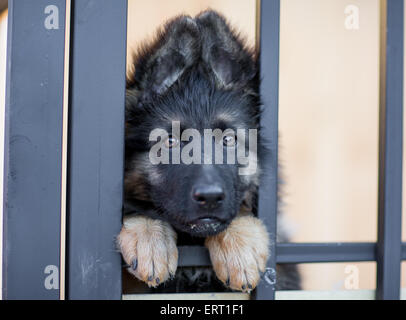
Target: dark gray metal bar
33,150
325,252
269,90
390,150
98,70
190,256
403,256
297,253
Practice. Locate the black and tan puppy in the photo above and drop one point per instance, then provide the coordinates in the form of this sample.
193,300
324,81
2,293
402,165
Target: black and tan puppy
198,74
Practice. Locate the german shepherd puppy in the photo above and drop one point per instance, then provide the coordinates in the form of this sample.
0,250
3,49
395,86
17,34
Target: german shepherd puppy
197,74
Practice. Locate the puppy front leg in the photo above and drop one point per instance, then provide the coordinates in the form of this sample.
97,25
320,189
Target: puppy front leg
149,247
240,252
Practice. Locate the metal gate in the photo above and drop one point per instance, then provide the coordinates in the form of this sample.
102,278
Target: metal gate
64,153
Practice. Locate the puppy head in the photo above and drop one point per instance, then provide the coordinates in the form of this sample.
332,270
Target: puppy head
192,104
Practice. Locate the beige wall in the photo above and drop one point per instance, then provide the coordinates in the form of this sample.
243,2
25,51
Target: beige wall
329,81
328,125
328,116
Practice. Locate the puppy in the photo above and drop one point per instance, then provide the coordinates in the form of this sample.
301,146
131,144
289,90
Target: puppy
197,76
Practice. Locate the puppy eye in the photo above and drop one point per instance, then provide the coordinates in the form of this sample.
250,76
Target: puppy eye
229,139
171,142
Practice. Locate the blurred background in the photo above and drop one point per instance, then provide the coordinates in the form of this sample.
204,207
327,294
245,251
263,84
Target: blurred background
328,117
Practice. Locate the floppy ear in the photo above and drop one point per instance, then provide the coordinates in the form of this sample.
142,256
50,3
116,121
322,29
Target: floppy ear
159,65
224,52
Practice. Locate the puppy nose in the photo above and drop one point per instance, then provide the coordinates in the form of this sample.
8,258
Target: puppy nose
208,196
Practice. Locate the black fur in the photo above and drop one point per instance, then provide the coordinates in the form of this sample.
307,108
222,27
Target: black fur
197,71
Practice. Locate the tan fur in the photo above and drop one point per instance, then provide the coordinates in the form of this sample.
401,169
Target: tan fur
153,244
135,183
239,253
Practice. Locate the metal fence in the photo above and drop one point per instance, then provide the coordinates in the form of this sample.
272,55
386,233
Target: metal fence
63,183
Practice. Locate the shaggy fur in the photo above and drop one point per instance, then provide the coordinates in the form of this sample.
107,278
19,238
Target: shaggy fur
198,72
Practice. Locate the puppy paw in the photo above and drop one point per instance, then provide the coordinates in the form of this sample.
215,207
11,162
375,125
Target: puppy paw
149,247
239,253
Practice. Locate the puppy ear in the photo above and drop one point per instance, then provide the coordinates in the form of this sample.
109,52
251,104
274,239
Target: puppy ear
224,51
159,65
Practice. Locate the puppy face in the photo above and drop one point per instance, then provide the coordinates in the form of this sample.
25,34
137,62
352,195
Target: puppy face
196,84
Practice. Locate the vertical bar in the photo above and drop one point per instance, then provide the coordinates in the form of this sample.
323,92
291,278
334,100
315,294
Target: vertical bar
390,150
269,89
98,67
33,149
